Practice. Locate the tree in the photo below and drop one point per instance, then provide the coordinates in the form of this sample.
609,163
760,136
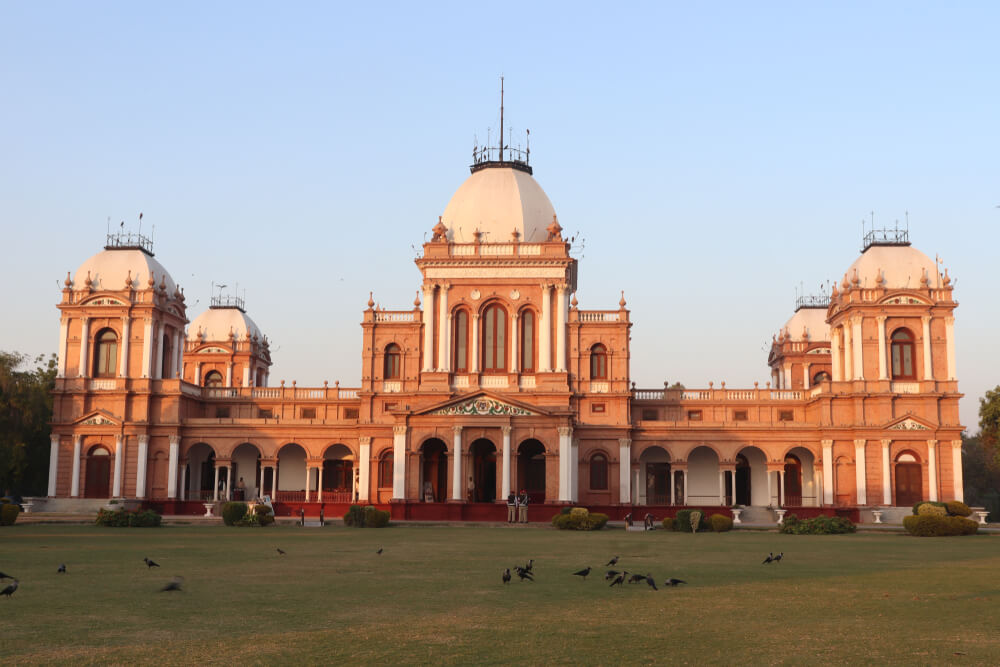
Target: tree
989,424
25,417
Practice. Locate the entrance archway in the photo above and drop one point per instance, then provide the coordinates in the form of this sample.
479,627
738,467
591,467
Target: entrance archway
484,471
97,478
201,472
751,478
246,467
909,479
434,471
531,470
654,468
744,483
793,481
703,476
291,473
338,474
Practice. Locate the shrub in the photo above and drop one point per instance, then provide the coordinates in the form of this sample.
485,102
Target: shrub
233,513
820,525
265,517
931,510
720,523
579,518
376,518
8,514
932,503
927,525
958,508
125,519
682,521
355,516
668,523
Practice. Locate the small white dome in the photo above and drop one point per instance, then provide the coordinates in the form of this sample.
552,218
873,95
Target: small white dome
110,268
496,201
215,324
902,266
811,321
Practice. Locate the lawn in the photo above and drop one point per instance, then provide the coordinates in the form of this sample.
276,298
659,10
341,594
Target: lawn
435,596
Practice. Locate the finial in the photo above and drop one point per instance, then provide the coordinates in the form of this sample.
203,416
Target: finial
554,230
924,280
88,282
163,282
515,235
152,280
371,301
477,235
834,290
128,279
622,301
947,278
68,282
856,280
573,302
416,301
439,230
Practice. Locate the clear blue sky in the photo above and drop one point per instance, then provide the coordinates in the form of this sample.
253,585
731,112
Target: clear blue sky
714,156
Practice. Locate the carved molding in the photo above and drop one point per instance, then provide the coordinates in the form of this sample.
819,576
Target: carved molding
484,407
908,425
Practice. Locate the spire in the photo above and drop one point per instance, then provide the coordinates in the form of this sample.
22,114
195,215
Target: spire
503,154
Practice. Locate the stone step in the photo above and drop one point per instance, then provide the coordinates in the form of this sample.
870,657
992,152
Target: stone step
312,524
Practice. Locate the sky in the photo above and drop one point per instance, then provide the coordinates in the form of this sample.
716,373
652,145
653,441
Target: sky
716,159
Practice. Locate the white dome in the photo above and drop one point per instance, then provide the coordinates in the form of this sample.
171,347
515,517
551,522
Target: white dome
110,268
215,324
903,267
496,201
810,320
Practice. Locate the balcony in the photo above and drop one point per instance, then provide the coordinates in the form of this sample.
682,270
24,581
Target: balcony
103,384
600,387
392,386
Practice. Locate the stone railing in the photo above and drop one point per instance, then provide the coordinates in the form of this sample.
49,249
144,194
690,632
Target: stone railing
276,393
599,315
392,386
495,249
103,384
728,395
395,316
906,387
494,381
600,387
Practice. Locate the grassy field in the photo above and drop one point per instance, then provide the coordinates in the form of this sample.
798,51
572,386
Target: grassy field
435,596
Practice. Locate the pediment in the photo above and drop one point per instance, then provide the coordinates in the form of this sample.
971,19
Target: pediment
909,424
98,418
482,405
904,300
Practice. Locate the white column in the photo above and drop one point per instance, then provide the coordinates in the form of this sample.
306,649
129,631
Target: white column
684,481
84,370
475,343
883,359
505,473
178,354
722,487
147,348
261,491
215,487
956,467
197,373
515,335
848,352
857,340
949,339
229,481
172,457
365,461
444,363
835,355
158,339
184,481
63,338
309,479
818,479
53,463
74,485
274,481
561,306
805,375
545,331
246,375
399,460
624,470
119,465
770,488
928,361
781,488
787,384
565,456
932,476
123,361
428,319
457,485
828,471
229,374
140,468
574,470
886,474
860,472
319,484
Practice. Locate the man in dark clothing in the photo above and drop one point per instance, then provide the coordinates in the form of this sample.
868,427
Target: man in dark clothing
522,502
511,507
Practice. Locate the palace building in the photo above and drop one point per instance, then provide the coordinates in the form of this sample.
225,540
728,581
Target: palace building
497,380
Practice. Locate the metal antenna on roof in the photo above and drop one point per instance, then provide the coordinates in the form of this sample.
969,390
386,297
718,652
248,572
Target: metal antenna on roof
501,117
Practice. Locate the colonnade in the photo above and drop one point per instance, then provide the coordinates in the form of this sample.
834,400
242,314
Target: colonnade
152,349
846,348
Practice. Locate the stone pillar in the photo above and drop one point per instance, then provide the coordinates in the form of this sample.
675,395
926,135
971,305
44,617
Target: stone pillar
835,355
625,471
883,358
561,312
365,465
956,467
84,370
673,484
928,361
147,347
246,375
565,454
949,339
178,353
781,488
399,434
860,472
515,360
229,374
545,331
457,485
309,479
684,481
197,373
574,470
787,382
770,488
74,485
886,474
229,481
722,487
319,483
428,318
119,465
184,478
63,339
474,365
805,375
215,487
53,464
857,340
932,473
444,363
158,339
123,362
828,472
505,473
848,352
274,481
140,467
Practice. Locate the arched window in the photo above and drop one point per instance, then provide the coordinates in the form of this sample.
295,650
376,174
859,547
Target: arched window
598,362
213,379
528,341
392,357
495,340
822,376
461,333
168,353
902,355
106,359
385,469
599,472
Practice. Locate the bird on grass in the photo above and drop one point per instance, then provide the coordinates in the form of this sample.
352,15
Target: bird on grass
9,590
280,551
652,584
523,574
619,579
612,562
62,568
673,582
5,576
506,576
777,559
582,573
636,578
150,563
174,585
769,559
530,564
378,551
611,574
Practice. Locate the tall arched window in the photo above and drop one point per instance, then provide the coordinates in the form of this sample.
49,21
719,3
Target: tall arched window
461,333
168,353
528,341
599,472
213,379
495,340
599,362
902,355
392,362
106,359
385,469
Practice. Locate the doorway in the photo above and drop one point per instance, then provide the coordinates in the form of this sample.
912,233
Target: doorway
531,470
484,471
98,476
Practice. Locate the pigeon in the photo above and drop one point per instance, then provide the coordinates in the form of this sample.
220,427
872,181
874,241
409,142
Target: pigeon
506,576
150,563
652,584
636,578
611,574
530,564
174,585
62,568
9,590
769,559
524,574
777,559
619,579
377,551
5,576
582,573
280,552
673,582
612,562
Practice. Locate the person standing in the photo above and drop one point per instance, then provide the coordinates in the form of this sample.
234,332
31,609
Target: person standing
522,503
511,507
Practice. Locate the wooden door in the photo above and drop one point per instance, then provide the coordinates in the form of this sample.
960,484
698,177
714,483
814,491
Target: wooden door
793,482
98,481
909,484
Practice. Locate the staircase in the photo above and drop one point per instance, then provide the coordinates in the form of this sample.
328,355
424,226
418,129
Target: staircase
67,505
758,515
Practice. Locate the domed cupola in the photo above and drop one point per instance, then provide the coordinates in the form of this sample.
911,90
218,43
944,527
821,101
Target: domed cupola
227,347
126,261
888,261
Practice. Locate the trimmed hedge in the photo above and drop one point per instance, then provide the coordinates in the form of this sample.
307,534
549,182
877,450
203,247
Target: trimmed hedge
579,518
126,519
720,523
932,503
668,523
368,516
233,512
820,525
958,508
8,514
931,510
927,525
682,522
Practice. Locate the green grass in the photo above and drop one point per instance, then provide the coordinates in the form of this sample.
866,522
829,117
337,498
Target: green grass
435,596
